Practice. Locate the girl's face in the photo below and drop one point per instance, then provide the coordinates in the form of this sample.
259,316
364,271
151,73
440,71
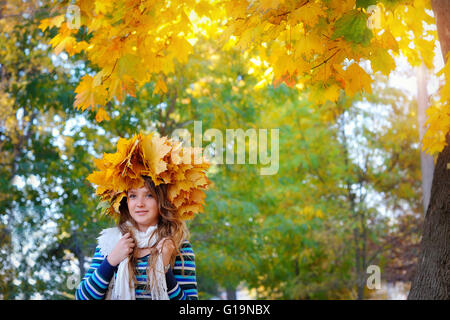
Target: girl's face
143,208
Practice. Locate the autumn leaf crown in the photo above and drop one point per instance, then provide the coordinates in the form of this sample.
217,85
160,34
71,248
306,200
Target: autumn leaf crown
164,160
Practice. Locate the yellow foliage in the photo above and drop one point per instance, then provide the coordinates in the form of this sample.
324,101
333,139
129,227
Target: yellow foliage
308,14
438,123
127,44
382,61
354,79
160,87
438,117
52,22
101,115
309,213
294,40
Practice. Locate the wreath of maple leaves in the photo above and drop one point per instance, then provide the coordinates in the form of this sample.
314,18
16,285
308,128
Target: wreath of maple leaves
164,160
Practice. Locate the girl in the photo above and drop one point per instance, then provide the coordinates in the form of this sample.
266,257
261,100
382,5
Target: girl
147,256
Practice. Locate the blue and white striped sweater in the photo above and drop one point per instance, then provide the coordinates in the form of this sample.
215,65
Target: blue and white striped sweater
179,287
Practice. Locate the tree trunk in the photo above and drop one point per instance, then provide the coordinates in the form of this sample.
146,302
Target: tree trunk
432,278
231,293
79,254
359,271
81,260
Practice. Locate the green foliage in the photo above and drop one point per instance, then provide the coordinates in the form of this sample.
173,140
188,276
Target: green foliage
353,27
365,3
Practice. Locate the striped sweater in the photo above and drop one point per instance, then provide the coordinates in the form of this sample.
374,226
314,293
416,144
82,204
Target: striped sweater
179,287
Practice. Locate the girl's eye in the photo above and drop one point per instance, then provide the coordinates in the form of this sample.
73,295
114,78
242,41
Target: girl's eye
132,196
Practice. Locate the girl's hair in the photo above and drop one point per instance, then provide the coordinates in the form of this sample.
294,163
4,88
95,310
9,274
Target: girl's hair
170,226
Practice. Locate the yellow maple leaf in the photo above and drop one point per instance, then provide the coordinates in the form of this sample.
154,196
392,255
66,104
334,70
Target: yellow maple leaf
309,44
269,4
125,149
438,122
188,211
78,47
388,41
198,196
85,97
180,200
175,189
332,93
382,61
117,200
63,42
180,48
115,88
321,95
97,177
160,87
354,79
52,22
153,151
308,14
284,65
103,7
101,115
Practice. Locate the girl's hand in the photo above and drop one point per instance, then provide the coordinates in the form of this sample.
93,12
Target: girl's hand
167,247
122,250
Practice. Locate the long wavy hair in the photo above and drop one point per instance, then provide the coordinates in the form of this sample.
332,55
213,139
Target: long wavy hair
170,226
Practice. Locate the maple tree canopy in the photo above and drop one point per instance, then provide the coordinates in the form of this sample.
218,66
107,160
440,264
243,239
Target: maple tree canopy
317,44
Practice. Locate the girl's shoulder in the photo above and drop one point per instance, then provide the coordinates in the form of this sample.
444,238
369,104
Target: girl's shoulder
186,247
185,244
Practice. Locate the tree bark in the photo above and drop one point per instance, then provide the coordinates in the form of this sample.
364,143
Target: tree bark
432,278
231,293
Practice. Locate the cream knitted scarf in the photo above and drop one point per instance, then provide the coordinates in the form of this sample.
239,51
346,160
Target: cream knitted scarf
121,289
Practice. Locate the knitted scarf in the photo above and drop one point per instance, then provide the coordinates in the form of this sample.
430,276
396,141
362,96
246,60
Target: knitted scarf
121,289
